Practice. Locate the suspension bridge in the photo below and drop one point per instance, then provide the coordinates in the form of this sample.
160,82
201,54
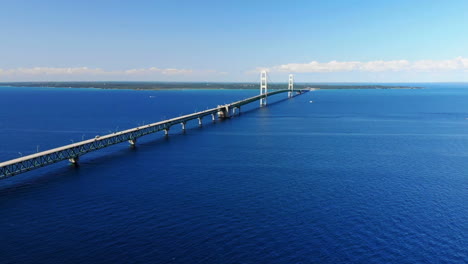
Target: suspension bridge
73,152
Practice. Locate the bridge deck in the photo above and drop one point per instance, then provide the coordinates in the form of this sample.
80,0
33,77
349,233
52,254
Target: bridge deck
75,150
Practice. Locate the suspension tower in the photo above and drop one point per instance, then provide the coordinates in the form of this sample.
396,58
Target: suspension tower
290,85
263,87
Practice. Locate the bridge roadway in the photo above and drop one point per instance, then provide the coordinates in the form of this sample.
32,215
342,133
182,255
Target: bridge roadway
72,152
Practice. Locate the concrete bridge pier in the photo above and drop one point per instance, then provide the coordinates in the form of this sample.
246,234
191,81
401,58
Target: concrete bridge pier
166,131
74,160
236,109
213,117
183,126
223,111
200,121
132,142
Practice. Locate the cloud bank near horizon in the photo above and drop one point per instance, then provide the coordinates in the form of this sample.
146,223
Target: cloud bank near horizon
457,64
79,73
377,70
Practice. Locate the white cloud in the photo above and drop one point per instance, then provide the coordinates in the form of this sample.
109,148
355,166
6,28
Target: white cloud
176,71
92,71
457,64
51,71
85,73
153,70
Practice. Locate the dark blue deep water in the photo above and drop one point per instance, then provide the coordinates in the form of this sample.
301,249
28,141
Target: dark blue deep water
357,176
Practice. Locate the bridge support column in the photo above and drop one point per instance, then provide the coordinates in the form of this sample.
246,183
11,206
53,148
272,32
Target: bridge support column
213,117
200,121
236,109
183,126
223,111
74,160
132,142
166,132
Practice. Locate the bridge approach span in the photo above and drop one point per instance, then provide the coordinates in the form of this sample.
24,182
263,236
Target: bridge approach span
72,152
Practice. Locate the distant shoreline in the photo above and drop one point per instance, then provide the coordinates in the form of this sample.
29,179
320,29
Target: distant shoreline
158,86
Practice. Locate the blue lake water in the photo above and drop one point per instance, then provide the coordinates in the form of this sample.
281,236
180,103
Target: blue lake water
356,176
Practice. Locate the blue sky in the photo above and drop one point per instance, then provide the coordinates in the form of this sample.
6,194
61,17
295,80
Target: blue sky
322,41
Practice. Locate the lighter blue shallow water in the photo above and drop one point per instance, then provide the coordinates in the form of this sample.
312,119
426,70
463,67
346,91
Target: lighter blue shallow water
357,176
